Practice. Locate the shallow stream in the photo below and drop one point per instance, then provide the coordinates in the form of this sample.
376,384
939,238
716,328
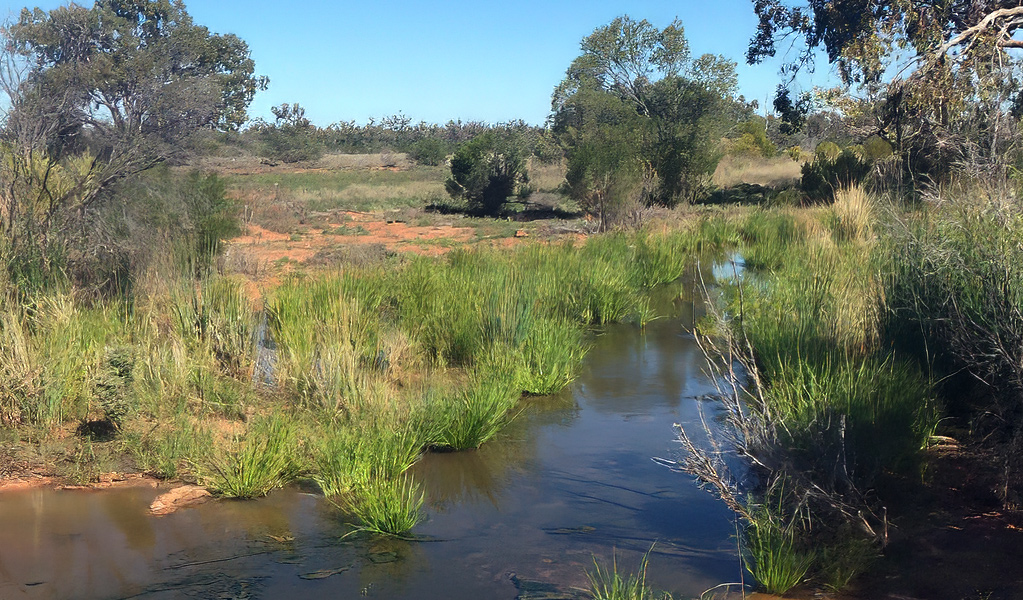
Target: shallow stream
571,479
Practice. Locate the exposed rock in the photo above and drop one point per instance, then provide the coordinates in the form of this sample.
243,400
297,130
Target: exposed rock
178,498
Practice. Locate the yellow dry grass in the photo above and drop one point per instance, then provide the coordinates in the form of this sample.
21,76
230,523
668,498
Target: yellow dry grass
779,171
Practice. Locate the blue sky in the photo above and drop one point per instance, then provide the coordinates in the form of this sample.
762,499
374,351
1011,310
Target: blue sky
435,61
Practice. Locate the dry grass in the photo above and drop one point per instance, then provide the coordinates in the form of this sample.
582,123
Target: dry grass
854,211
780,171
368,196
546,177
384,160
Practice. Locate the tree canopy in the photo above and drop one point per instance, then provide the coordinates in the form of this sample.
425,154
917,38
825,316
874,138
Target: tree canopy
125,74
938,75
97,94
636,106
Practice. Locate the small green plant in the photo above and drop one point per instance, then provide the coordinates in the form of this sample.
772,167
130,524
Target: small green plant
607,583
773,555
386,506
257,464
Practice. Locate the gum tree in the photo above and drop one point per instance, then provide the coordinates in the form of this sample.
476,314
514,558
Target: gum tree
941,78
98,94
638,89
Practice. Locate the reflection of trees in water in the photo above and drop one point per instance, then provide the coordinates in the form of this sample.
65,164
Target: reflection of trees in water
451,478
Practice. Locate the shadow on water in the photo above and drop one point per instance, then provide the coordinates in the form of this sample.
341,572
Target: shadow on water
571,479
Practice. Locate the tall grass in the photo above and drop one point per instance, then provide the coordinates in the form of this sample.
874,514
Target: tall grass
351,453
386,506
552,354
956,288
828,406
773,556
52,356
475,414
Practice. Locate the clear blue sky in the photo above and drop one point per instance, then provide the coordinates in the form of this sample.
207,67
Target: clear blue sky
435,61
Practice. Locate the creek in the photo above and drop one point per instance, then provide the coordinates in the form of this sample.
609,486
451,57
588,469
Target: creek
571,479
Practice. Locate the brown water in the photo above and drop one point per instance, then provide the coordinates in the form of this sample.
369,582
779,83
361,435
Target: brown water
571,478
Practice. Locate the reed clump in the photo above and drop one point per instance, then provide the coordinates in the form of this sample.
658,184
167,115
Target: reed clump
608,583
255,464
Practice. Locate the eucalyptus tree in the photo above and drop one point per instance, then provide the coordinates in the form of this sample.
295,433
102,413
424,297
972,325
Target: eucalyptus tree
97,94
944,77
640,118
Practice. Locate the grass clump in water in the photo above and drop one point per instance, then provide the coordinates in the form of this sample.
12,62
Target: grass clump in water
254,465
472,416
349,454
386,506
552,354
607,583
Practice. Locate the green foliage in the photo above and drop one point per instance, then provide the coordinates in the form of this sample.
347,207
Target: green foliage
114,383
487,170
163,451
428,151
256,464
749,138
214,315
210,213
51,357
290,138
640,119
479,411
827,173
773,555
386,506
352,453
956,287
103,73
552,354
606,583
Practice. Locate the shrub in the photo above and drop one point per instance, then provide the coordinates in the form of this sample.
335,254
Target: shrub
428,151
487,170
828,173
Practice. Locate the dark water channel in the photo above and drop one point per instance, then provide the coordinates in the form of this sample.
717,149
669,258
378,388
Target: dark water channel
571,478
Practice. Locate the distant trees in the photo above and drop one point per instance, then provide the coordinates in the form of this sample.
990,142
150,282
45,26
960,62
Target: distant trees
290,138
640,118
97,94
486,170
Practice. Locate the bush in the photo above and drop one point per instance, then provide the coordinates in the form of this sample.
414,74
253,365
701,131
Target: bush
751,140
827,173
487,170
